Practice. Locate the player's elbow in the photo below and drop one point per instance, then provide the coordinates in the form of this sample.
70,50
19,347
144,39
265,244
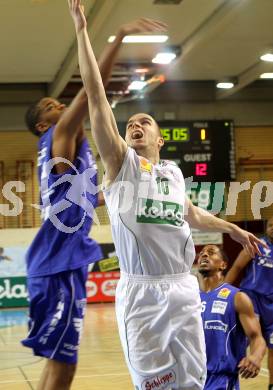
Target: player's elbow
193,217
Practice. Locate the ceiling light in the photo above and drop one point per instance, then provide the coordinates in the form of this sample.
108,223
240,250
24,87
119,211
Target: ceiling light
141,38
225,85
268,57
137,85
266,76
164,58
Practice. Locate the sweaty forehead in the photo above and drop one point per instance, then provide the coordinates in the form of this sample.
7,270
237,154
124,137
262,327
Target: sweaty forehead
45,101
212,248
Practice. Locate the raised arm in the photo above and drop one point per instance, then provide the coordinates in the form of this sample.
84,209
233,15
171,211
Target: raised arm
68,132
203,220
108,57
237,267
250,365
112,148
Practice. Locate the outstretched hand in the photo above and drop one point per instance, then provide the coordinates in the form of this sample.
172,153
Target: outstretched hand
77,13
142,25
248,241
249,367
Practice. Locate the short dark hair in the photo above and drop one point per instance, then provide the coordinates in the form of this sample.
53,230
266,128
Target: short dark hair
32,117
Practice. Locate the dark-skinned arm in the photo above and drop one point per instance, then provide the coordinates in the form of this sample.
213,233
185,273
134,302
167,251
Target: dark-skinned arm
69,132
111,146
250,365
238,266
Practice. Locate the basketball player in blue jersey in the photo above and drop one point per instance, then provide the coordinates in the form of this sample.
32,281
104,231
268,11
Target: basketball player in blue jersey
228,318
158,305
58,258
257,283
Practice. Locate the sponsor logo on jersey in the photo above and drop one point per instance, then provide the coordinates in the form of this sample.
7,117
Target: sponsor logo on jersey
216,325
109,287
159,212
224,293
219,307
265,262
160,382
145,165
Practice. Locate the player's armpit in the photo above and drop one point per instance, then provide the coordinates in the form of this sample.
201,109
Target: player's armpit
64,148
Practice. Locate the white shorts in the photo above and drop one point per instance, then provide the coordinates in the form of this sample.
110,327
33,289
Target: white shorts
160,327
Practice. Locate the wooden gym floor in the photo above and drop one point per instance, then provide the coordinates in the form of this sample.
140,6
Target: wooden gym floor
101,363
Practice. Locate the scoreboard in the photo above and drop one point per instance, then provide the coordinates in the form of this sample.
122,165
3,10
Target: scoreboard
203,149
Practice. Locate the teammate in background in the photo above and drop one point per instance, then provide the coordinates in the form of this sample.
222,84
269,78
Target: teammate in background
157,301
228,317
257,283
58,258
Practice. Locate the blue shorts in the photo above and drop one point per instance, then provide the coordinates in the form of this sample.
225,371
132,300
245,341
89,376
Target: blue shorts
263,307
57,307
222,382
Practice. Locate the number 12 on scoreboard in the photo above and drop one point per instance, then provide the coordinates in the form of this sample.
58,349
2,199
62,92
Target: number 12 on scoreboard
201,169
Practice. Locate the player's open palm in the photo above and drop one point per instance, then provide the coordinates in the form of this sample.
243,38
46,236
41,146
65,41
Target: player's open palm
77,13
143,25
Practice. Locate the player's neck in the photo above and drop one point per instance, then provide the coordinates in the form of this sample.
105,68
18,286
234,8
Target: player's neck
149,155
210,282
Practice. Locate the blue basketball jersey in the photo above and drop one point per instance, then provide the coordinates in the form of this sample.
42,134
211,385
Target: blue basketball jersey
225,339
67,205
259,271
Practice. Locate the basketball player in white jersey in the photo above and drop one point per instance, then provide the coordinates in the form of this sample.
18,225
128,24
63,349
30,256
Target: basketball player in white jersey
157,300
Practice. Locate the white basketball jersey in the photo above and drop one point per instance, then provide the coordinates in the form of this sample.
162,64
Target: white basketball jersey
146,209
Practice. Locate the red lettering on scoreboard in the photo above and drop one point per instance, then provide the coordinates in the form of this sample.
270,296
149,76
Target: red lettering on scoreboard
201,169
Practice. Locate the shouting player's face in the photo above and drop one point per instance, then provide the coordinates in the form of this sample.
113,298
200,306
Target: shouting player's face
143,132
210,260
50,111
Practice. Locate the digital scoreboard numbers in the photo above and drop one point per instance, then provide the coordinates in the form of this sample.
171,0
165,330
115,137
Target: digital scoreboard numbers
202,149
